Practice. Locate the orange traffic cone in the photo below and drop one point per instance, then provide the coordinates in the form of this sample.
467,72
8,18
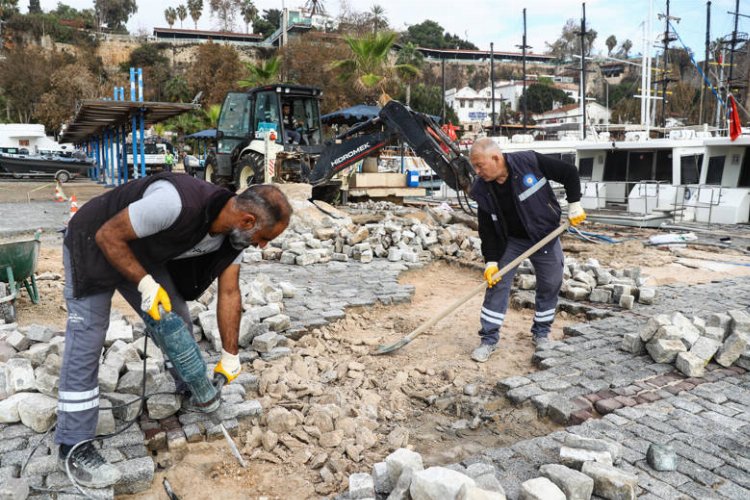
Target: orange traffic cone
73,206
59,195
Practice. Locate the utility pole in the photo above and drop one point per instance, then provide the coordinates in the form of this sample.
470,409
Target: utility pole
523,47
705,60
492,83
668,38
442,69
582,34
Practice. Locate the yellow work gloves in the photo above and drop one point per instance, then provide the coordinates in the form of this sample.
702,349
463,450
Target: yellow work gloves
490,269
576,215
153,296
229,366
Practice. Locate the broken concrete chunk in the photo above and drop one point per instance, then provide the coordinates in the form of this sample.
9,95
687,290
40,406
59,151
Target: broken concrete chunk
665,351
690,365
705,348
575,485
653,325
540,488
734,346
576,457
438,483
402,459
610,482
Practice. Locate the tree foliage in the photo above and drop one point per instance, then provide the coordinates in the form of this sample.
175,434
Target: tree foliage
25,77
249,12
170,15
215,72
429,99
303,59
267,23
225,12
569,42
115,13
262,73
8,8
430,34
35,7
611,43
625,48
195,7
541,97
182,13
368,65
67,85
377,18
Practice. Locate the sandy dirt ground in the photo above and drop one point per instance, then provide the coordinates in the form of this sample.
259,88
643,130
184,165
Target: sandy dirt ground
12,191
440,357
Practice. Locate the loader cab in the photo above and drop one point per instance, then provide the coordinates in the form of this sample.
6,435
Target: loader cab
250,116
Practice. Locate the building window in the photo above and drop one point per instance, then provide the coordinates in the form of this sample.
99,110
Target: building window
471,104
463,103
23,142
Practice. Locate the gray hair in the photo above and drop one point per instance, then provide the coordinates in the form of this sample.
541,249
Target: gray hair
484,146
267,202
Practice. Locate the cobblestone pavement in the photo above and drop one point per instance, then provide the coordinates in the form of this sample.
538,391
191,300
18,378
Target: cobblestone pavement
706,420
325,290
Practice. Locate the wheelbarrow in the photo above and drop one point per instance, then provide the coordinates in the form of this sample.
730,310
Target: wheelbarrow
18,261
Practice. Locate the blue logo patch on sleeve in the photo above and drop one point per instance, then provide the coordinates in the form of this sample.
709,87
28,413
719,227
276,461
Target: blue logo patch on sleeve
529,180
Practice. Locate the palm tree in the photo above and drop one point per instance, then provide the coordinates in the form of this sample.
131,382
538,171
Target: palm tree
377,13
261,73
315,7
181,13
409,56
212,115
369,66
249,12
196,10
170,15
626,46
611,43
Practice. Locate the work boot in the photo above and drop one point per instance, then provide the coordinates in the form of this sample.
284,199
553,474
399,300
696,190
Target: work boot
483,352
88,467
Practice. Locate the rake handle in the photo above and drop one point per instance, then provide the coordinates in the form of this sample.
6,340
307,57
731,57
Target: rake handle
511,265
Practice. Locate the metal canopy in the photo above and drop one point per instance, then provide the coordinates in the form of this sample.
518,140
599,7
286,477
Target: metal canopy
94,115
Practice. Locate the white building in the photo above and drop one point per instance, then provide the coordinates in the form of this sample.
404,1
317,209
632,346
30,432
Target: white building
29,136
474,107
569,117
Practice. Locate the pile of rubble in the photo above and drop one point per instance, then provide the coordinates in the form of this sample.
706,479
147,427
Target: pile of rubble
595,283
586,468
320,233
692,343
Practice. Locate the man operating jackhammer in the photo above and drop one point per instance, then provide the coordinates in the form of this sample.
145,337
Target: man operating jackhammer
159,241
517,208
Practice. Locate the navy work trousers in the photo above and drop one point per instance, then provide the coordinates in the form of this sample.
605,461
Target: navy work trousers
548,265
88,321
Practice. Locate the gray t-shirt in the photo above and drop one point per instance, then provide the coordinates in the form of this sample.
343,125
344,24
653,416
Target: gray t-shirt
158,209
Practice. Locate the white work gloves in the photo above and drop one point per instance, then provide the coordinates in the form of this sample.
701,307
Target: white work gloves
576,215
229,366
153,296
490,269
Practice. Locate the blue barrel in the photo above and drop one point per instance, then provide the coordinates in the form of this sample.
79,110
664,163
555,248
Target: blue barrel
412,178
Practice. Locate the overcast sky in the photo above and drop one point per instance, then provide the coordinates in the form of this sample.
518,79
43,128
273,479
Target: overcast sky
498,21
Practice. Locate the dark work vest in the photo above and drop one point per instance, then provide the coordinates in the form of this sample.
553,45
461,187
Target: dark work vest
533,197
201,204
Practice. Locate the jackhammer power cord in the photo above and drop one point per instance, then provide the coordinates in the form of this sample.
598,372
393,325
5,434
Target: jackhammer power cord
141,399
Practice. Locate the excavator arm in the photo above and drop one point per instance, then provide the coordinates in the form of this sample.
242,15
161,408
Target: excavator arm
396,121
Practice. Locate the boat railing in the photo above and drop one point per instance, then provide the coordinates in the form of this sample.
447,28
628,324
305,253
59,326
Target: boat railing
618,194
696,197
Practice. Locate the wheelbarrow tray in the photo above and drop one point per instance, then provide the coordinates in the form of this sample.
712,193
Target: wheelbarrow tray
18,261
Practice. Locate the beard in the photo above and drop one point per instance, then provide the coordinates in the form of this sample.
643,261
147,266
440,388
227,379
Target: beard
240,239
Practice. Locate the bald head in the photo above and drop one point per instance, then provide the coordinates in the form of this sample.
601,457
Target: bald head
488,160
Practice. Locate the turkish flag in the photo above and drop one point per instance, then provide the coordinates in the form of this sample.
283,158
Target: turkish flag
735,127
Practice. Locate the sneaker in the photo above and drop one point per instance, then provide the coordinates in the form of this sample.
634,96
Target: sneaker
89,468
483,352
